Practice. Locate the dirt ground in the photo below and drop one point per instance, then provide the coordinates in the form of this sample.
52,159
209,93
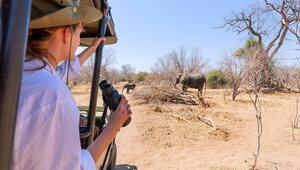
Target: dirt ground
169,136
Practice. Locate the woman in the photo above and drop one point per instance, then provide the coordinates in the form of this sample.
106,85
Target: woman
47,130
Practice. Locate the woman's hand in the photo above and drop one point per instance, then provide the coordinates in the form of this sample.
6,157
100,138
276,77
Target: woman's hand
84,55
96,43
120,115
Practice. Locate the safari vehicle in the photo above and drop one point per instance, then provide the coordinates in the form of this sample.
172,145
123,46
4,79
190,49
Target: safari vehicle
14,18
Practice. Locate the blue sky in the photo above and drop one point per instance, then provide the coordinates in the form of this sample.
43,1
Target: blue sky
148,29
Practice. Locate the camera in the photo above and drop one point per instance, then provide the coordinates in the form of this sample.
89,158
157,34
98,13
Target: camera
111,97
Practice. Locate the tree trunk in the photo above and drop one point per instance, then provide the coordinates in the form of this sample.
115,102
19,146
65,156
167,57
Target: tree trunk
234,92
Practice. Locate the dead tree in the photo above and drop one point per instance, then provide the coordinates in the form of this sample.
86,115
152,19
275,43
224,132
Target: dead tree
195,62
108,59
234,69
258,109
294,28
178,61
290,10
163,71
187,61
257,22
269,25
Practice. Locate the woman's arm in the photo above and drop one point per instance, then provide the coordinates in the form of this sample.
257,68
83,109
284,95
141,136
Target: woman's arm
75,64
115,122
83,56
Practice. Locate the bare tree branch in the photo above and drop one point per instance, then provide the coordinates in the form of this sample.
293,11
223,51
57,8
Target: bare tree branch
109,57
243,21
283,12
272,43
253,21
283,35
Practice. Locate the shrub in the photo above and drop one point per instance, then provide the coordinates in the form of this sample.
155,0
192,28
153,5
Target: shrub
216,79
141,76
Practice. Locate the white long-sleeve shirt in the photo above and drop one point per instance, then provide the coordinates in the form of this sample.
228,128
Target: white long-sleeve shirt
47,126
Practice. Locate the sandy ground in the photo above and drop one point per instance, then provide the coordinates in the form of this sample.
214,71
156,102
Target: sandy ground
157,140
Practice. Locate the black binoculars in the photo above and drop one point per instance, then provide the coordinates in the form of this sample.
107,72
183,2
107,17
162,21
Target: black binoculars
111,97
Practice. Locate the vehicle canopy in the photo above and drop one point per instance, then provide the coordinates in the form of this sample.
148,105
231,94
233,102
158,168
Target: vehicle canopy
91,30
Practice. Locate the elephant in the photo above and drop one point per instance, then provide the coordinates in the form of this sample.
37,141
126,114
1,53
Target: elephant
195,81
129,86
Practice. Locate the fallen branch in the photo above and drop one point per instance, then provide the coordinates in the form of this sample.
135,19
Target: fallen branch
207,121
177,117
187,137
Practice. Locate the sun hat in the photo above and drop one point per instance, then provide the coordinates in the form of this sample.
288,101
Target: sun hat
53,13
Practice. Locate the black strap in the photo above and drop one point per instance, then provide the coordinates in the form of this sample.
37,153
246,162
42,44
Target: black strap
69,58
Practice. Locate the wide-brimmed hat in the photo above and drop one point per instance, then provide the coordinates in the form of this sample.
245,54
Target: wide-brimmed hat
53,13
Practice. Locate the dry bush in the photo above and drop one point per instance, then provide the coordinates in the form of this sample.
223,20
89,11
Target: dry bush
258,70
114,76
234,69
288,78
167,94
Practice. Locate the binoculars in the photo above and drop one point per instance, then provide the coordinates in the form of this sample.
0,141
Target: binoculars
111,97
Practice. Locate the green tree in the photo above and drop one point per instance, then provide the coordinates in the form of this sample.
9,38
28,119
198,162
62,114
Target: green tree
127,73
247,50
216,79
140,76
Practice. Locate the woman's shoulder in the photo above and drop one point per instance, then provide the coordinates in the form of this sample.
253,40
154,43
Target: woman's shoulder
43,83
39,72
40,90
